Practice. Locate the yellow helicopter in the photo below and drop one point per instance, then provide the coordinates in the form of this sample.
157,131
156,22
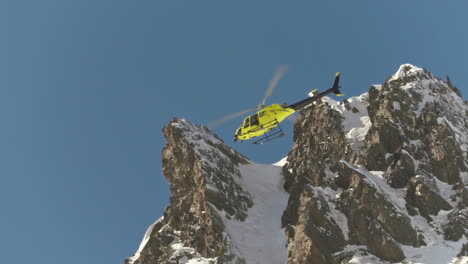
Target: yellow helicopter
266,122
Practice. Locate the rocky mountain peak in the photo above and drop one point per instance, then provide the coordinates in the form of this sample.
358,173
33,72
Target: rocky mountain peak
376,178
407,71
414,107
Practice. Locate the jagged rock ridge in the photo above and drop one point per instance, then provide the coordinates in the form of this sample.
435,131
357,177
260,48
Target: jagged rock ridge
378,177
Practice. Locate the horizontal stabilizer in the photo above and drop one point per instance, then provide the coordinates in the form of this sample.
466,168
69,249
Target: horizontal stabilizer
338,93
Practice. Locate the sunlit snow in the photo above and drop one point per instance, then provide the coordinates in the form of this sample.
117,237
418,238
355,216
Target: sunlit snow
259,239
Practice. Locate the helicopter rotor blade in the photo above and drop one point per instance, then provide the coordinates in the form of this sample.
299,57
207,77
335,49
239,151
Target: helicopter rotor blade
280,71
222,120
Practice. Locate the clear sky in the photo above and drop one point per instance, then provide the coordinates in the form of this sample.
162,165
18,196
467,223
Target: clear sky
86,87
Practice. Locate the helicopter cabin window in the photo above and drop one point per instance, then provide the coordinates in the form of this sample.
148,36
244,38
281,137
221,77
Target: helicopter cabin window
254,119
247,122
238,132
262,113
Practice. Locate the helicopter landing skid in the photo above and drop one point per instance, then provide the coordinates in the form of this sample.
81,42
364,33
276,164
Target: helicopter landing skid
269,136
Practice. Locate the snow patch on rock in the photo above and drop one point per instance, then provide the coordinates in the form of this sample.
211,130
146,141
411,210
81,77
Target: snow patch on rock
338,217
406,70
356,121
187,255
146,237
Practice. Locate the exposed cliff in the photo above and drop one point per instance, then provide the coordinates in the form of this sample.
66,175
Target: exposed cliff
375,178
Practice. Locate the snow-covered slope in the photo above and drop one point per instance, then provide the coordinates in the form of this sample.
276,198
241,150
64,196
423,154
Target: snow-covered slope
260,238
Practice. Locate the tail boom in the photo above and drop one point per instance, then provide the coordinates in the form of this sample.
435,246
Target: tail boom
335,89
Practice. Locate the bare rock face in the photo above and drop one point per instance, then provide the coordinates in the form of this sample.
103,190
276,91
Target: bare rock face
314,231
377,178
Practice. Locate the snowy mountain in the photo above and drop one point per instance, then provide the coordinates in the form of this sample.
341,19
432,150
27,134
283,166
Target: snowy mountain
378,178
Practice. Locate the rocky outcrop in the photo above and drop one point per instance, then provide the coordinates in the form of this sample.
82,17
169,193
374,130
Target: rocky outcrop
314,231
414,115
371,219
204,179
425,197
378,177
386,173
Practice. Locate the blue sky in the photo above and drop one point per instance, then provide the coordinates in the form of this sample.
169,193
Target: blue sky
86,87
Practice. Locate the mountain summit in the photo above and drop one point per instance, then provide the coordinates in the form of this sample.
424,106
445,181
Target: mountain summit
377,178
